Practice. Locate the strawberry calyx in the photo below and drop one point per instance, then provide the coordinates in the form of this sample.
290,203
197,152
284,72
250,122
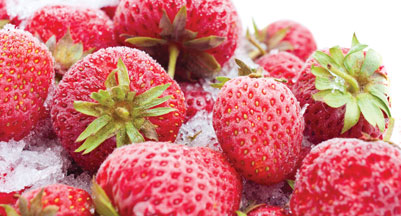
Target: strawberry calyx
272,42
66,52
252,206
121,112
354,81
36,207
101,201
183,41
3,22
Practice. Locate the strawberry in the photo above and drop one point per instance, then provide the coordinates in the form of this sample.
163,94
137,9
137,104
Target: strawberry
194,38
196,99
25,76
259,125
349,177
7,199
111,8
5,17
284,35
282,65
166,179
55,200
262,210
347,94
71,32
115,94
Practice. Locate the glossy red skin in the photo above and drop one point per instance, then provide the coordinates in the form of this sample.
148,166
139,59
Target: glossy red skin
349,177
89,75
69,200
196,99
267,211
207,17
93,28
27,72
299,36
282,65
259,125
169,179
323,122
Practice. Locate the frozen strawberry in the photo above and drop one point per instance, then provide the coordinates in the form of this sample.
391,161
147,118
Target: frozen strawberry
346,92
166,179
192,38
284,35
25,76
259,125
71,32
349,177
5,17
53,200
282,65
196,99
114,97
111,8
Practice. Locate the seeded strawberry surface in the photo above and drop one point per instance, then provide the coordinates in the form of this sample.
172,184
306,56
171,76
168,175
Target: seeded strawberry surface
349,177
196,99
88,76
27,72
169,179
259,126
267,211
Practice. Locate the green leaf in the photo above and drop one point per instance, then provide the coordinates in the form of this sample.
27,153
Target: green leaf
355,49
165,25
133,133
179,23
155,102
103,97
102,203
189,35
92,142
94,127
371,111
50,211
149,130
145,41
332,83
319,96
243,69
390,128
205,43
221,82
372,62
121,137
3,22
352,115
337,54
157,112
151,94
383,106
88,108
321,72
67,52
202,64
111,80
258,36
355,41
353,63
277,37
337,99
118,93
10,211
324,59
51,43
381,96
240,213
122,73
23,206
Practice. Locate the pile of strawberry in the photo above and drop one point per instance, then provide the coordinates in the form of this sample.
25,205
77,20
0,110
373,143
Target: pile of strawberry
317,119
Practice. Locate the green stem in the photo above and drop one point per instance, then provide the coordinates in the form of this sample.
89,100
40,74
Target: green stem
387,135
174,52
348,78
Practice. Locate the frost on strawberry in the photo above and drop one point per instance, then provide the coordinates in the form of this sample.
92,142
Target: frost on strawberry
114,97
193,39
347,91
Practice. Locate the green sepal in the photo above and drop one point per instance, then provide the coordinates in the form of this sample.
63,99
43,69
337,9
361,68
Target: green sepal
221,82
389,132
111,80
122,73
95,140
277,37
36,207
165,25
88,108
325,59
121,137
332,98
102,202
353,63
202,64
179,23
145,41
372,113
337,55
326,81
240,213
94,127
155,102
133,134
352,115
157,111
149,130
380,92
291,183
3,22
205,43
372,62
10,211
151,94
103,97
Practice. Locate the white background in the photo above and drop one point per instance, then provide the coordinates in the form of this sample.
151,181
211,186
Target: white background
376,23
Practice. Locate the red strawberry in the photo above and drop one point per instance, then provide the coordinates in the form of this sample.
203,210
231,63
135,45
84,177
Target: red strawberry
349,177
346,93
259,125
71,32
282,65
285,35
7,199
125,110
167,179
196,99
25,76
5,17
111,8
57,200
263,210
194,38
